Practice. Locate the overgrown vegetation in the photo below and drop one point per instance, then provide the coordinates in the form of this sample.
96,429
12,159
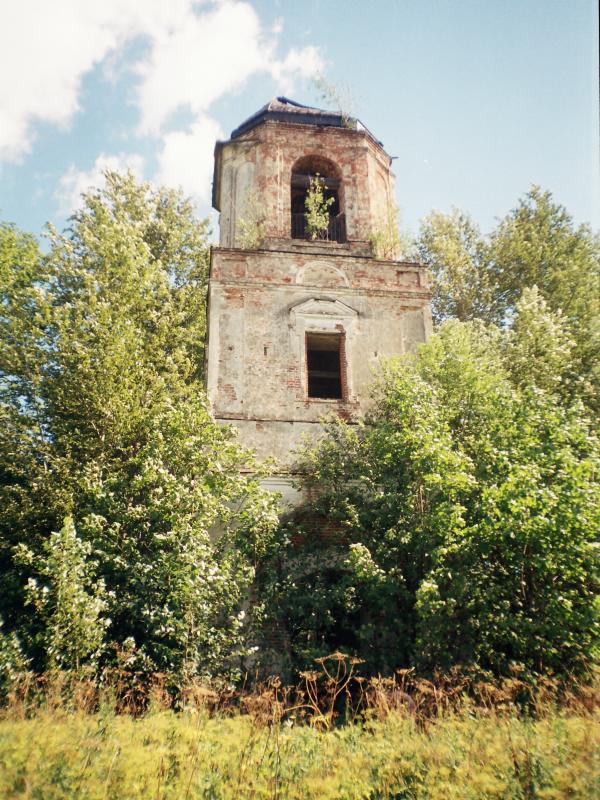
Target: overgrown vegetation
317,209
388,243
338,96
177,756
104,422
458,524
536,244
72,739
252,223
457,527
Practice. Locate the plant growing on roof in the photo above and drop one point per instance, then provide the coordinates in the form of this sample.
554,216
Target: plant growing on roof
340,96
316,207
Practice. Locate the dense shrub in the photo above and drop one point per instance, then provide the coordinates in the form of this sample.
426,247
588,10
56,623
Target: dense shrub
459,524
105,422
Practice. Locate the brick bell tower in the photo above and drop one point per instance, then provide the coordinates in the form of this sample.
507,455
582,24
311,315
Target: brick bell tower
296,326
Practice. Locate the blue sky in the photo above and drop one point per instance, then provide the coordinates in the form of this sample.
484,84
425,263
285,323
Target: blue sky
476,99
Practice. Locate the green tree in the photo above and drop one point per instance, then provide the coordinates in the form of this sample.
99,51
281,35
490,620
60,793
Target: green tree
317,209
455,251
388,241
460,522
539,347
13,662
71,603
536,244
24,318
517,583
116,432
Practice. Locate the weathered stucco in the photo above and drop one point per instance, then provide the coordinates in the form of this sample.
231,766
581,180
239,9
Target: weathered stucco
260,164
263,303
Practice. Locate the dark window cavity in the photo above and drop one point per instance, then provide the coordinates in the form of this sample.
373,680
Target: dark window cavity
324,366
302,172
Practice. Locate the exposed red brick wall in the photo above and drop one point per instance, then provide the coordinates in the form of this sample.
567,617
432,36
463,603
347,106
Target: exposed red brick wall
272,148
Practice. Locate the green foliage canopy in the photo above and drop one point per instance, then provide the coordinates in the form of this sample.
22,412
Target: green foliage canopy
536,244
458,526
69,601
107,423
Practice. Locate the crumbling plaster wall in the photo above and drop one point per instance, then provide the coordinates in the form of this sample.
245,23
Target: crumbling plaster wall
261,305
260,162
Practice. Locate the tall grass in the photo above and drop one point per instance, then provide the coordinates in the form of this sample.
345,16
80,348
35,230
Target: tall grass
404,738
169,755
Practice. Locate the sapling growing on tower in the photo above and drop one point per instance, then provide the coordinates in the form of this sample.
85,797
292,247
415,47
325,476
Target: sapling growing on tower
317,209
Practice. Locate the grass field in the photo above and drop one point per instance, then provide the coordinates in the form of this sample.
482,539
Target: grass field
164,754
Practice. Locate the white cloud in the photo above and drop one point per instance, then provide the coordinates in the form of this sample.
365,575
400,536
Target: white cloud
47,47
74,182
191,65
187,158
196,53
304,63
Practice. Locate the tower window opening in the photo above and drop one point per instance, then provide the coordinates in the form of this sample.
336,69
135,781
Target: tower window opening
304,170
324,365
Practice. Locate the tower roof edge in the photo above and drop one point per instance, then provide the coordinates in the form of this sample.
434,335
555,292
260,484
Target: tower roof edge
282,109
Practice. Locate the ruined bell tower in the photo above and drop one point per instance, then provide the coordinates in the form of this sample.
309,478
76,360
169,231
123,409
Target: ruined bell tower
297,324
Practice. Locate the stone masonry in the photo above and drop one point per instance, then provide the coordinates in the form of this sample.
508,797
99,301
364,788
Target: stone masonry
297,327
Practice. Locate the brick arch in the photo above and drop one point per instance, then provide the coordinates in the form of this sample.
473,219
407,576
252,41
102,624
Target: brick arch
312,163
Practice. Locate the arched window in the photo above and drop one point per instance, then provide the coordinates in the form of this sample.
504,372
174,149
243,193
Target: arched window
303,170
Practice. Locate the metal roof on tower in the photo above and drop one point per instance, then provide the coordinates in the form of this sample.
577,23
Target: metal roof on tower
282,109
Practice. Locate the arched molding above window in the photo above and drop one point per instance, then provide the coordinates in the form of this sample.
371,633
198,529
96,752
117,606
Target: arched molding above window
322,330
308,166
320,273
323,314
